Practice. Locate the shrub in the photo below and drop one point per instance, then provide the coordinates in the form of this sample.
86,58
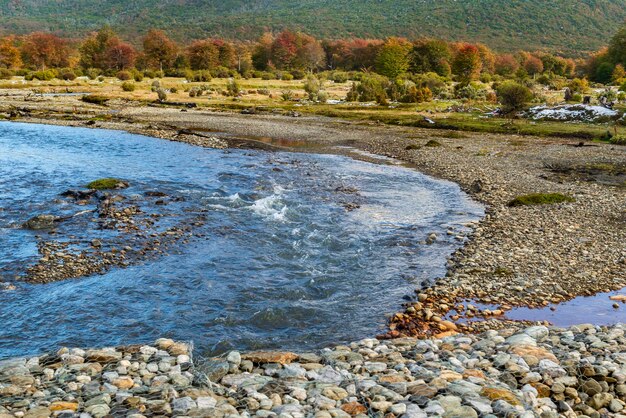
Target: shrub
68,75
339,76
287,77
128,86
322,97
618,140
162,96
370,88
623,86
124,75
471,91
45,75
513,96
156,85
265,92
138,76
312,86
232,88
287,95
268,76
540,199
101,78
578,85
173,90
95,99
203,76
298,74
92,73
5,74
432,144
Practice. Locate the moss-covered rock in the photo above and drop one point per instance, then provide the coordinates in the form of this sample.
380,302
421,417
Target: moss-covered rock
540,199
107,184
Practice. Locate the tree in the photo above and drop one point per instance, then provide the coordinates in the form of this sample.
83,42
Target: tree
617,47
160,51
93,49
513,96
430,55
393,57
467,63
618,73
119,55
487,59
533,65
9,53
284,50
506,65
310,53
203,55
43,50
262,55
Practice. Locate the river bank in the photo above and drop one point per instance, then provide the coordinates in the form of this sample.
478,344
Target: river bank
518,256
543,372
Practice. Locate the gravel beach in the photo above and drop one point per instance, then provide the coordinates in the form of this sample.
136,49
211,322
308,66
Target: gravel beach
529,256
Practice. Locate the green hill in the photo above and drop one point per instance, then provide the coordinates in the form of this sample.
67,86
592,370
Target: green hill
571,26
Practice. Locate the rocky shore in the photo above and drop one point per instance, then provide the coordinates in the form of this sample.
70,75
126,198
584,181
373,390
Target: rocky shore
535,372
469,361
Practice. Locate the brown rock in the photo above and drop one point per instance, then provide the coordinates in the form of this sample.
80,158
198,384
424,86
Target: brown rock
542,390
496,394
538,352
123,382
353,408
262,357
63,406
422,389
473,373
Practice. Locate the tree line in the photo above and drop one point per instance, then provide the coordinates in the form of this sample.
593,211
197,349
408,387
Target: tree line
287,54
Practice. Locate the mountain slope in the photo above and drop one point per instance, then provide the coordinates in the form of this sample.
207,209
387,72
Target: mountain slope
572,26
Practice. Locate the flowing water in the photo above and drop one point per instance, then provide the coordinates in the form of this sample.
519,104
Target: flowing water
294,250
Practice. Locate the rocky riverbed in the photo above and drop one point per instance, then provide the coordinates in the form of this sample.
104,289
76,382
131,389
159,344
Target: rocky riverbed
533,372
518,256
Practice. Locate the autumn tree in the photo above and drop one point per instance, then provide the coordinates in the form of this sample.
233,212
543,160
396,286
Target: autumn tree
262,55
203,55
393,57
532,64
487,59
617,47
93,49
506,65
284,49
430,55
310,54
43,50
119,55
9,53
467,63
160,51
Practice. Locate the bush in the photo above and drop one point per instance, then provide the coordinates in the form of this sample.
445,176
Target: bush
203,76
471,91
264,92
162,96
513,96
287,95
268,76
68,75
623,86
101,78
124,75
92,73
312,86
45,75
618,140
173,90
128,86
153,74
578,85
371,88
5,74
298,74
339,76
540,199
221,72
95,99
232,88
156,85
287,77
138,76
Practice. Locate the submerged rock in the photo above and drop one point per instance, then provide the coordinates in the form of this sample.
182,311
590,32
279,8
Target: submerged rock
41,222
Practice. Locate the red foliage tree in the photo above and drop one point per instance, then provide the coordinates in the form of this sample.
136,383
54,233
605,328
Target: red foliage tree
43,50
160,51
9,53
119,55
467,63
203,55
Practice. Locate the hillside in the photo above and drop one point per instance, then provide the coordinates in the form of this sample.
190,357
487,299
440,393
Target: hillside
571,26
